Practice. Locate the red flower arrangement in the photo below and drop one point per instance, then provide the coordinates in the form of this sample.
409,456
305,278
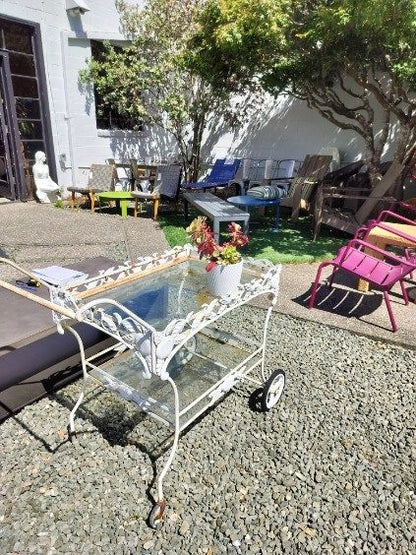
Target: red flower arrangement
203,238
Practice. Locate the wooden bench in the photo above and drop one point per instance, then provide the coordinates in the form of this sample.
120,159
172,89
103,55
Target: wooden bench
215,209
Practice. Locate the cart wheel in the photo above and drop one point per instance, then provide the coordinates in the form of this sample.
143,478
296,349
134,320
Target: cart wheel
273,389
156,515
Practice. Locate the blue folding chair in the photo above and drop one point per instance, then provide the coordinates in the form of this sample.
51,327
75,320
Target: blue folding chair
220,176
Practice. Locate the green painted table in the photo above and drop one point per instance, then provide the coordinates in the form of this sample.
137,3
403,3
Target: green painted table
122,199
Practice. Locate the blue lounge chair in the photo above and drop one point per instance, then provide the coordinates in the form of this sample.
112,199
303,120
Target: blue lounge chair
220,176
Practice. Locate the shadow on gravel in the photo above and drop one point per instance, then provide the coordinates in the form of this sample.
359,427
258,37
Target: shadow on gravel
254,400
121,423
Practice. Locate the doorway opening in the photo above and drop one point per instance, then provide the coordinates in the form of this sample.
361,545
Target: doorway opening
24,114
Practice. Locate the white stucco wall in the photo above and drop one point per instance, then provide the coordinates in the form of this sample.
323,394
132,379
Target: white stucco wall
283,128
286,128
66,45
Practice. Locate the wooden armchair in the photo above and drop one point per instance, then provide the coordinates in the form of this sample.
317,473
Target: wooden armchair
101,178
302,187
348,220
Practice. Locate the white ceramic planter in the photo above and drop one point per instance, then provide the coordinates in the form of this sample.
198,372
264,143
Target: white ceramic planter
224,279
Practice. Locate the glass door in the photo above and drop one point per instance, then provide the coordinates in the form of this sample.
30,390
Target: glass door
6,174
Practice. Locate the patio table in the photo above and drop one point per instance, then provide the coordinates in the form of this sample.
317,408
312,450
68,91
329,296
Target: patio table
248,201
122,199
382,238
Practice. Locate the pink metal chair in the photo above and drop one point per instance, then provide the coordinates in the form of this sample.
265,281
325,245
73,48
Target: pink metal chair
392,213
381,273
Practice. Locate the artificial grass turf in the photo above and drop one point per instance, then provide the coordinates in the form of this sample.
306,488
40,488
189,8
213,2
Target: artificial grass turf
291,245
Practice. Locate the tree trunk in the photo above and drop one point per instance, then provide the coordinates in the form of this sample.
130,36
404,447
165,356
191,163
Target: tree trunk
198,129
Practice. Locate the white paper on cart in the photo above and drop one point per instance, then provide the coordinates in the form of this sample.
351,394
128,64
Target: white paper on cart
58,275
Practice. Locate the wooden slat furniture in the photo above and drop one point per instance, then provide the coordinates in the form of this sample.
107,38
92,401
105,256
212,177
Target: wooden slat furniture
348,221
166,186
313,170
215,209
383,238
101,179
142,173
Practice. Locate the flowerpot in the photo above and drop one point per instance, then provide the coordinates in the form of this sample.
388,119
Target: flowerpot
224,279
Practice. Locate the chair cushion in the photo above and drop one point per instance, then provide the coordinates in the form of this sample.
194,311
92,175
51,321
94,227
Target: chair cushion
266,192
308,186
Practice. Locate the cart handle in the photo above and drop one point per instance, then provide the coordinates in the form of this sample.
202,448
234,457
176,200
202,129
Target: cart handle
24,271
40,300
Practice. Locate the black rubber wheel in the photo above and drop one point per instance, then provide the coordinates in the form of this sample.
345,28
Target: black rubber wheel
273,389
156,515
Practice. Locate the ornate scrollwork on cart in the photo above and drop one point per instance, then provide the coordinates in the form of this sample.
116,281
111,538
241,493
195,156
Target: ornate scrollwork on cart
226,385
119,273
62,298
265,283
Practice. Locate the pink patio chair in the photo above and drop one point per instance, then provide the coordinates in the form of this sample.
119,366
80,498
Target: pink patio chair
382,273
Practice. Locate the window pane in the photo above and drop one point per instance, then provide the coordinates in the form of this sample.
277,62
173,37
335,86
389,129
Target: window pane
29,149
25,86
107,116
30,129
17,37
27,108
22,64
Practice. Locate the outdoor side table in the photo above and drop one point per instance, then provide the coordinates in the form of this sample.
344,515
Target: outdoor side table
247,201
178,350
122,199
215,209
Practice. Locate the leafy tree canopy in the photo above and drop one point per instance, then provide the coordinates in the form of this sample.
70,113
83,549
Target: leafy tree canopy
340,56
152,79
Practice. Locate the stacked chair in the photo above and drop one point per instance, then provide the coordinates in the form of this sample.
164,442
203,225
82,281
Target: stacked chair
382,269
101,178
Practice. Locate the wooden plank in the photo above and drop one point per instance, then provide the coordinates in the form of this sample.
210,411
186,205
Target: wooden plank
127,279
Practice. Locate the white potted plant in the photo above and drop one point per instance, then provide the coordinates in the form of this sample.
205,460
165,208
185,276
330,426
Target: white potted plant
225,262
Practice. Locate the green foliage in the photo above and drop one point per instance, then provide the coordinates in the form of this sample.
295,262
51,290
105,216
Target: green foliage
153,79
59,203
344,57
234,37
118,77
292,245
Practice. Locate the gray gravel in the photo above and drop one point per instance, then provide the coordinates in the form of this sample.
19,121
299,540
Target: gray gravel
330,469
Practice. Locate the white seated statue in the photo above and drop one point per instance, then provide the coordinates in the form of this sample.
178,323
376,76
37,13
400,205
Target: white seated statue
43,182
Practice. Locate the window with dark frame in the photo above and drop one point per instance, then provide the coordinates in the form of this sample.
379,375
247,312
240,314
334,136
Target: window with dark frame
107,117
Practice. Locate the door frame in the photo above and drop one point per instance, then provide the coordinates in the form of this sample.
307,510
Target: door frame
18,186
22,191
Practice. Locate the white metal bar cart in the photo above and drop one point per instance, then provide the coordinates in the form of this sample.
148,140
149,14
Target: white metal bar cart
178,349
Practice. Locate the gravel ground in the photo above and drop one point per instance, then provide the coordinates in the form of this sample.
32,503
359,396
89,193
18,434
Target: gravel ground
330,469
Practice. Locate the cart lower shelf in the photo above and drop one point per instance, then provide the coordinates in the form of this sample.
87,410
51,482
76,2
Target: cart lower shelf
200,379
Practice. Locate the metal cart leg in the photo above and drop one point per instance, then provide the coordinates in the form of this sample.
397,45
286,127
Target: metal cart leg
158,510
266,324
275,383
71,425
